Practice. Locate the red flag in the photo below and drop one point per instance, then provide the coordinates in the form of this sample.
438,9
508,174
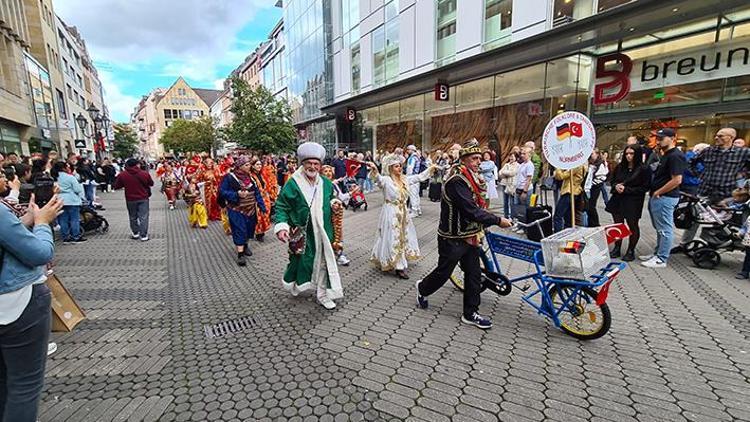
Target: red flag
617,232
352,167
576,129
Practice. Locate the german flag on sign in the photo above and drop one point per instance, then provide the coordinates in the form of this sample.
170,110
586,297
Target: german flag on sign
563,132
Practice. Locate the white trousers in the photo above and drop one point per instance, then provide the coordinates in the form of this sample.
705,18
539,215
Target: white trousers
414,205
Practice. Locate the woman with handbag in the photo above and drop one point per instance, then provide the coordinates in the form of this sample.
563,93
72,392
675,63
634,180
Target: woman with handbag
630,182
242,199
507,182
26,246
396,241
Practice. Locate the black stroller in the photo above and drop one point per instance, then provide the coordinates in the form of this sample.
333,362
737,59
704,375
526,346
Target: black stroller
718,232
91,221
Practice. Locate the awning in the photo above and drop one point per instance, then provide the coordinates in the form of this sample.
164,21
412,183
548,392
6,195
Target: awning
638,18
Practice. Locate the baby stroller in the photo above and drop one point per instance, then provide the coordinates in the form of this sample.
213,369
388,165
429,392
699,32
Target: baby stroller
356,198
719,229
91,221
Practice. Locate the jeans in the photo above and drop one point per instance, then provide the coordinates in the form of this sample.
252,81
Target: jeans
591,212
662,217
70,222
23,346
605,194
90,191
507,201
561,218
138,214
450,253
368,184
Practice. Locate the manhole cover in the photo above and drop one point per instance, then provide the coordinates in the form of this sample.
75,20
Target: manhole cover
232,326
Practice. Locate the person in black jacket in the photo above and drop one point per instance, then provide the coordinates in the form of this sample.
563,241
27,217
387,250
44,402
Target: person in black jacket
630,182
87,177
462,221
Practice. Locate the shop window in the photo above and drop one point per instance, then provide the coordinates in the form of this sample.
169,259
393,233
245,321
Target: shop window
566,11
497,21
356,63
609,4
737,88
378,56
446,30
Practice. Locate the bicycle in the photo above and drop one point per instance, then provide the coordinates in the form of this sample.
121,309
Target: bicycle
577,307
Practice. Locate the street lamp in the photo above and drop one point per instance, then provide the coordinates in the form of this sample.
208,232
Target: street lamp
100,122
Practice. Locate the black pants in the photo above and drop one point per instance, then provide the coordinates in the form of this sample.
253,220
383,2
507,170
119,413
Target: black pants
746,262
591,206
23,354
452,252
635,231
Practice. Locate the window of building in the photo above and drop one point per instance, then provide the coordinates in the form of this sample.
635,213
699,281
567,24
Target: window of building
70,93
391,50
609,4
61,104
349,15
83,101
356,63
167,113
378,56
446,30
80,81
497,20
66,67
566,11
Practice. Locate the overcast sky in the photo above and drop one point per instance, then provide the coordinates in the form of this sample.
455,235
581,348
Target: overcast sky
138,45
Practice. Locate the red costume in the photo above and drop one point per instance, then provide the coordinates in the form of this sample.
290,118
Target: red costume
211,177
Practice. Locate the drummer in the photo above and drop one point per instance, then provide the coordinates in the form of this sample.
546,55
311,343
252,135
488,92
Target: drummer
463,217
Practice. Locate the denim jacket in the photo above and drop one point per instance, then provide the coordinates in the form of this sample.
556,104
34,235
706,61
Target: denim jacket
24,252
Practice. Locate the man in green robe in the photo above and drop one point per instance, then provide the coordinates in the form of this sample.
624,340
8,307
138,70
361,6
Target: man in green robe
306,203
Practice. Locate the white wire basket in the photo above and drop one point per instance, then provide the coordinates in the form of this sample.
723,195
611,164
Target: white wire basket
576,253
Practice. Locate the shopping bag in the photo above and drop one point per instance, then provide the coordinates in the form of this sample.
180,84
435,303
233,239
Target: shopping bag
66,313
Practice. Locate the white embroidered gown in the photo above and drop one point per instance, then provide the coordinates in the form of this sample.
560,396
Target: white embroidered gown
396,241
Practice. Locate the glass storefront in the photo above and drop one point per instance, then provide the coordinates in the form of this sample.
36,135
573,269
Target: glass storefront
10,138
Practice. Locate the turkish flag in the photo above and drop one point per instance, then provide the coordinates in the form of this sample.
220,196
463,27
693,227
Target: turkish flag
576,129
617,232
352,167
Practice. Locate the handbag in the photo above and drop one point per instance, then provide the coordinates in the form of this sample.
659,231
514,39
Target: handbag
298,238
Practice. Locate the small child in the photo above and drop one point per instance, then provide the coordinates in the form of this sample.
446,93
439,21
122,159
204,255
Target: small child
725,207
744,233
197,215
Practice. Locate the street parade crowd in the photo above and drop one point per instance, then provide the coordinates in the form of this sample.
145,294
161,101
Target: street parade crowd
300,199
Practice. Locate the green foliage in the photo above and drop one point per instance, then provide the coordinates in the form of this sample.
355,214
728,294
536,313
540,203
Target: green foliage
261,122
189,136
126,142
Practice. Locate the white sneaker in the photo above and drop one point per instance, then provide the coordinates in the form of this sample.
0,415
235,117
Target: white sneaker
51,348
648,257
144,239
327,303
135,236
171,207
343,260
654,262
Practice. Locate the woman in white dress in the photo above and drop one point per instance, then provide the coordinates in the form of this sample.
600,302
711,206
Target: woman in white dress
489,173
396,241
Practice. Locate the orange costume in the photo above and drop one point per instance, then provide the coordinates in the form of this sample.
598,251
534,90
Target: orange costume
272,185
263,218
211,177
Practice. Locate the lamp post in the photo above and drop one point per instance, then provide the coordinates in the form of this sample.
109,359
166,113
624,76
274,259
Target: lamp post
100,122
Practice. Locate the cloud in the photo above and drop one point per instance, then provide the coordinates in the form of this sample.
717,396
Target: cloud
120,105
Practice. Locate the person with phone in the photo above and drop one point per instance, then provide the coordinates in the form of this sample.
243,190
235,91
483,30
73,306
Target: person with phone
26,247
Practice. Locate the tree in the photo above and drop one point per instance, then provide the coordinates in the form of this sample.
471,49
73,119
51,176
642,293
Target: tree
189,136
261,122
126,142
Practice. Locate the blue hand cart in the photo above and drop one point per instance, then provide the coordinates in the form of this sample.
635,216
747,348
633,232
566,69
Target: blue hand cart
577,306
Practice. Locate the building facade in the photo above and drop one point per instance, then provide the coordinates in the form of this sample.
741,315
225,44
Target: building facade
271,58
161,107
436,72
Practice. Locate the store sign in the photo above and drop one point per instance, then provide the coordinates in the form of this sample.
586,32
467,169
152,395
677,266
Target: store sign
80,144
568,140
721,60
442,91
350,114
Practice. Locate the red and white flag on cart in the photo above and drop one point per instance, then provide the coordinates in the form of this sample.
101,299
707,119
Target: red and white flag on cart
617,232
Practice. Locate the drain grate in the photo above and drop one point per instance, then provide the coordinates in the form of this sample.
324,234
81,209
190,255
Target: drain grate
233,326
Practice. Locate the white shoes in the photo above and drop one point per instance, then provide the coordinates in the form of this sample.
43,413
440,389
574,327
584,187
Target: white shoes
343,260
327,303
51,348
654,262
135,236
648,257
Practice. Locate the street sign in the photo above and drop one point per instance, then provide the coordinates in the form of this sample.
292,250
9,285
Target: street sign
350,115
442,91
568,140
80,144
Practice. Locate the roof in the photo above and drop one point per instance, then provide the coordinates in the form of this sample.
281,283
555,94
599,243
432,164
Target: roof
209,96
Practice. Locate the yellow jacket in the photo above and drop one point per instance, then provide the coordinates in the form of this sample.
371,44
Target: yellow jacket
579,175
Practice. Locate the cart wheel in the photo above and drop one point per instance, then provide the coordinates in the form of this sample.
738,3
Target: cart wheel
692,246
105,226
457,278
707,259
583,318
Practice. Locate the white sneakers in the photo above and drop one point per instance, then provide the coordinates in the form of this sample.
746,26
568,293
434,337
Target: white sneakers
327,303
654,262
51,348
135,236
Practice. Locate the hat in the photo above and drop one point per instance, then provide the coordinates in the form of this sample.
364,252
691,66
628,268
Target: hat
241,161
310,151
390,160
411,148
291,160
470,147
664,132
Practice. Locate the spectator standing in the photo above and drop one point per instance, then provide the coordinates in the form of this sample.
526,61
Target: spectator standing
71,194
536,160
597,175
691,179
339,165
605,188
562,217
524,177
87,176
507,182
137,184
361,176
26,247
665,193
109,175
488,169
413,165
631,180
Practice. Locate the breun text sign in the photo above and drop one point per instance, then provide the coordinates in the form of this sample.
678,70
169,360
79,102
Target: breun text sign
617,74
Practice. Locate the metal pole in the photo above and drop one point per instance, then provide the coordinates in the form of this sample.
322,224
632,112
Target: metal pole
572,201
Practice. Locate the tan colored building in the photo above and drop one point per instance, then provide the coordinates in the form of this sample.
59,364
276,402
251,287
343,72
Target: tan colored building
16,116
157,110
250,70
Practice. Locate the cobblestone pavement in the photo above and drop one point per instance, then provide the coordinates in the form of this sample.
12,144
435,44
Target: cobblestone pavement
677,350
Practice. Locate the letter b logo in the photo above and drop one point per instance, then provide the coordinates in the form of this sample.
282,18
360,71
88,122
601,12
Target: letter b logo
603,92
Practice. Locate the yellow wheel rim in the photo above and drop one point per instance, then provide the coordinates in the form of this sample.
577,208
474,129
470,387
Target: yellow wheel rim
585,319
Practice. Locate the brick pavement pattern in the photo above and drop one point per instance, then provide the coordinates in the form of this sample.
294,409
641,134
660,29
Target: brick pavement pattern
677,350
